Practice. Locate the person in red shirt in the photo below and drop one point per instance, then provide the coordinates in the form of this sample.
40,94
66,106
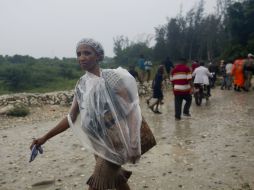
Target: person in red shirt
182,84
194,65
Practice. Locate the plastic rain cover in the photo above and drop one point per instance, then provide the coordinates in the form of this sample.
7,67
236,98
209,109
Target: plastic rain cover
110,117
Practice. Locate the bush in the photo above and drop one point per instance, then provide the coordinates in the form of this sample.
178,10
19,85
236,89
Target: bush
16,78
19,111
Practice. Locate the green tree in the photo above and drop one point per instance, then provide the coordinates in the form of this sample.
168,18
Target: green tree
127,53
160,48
16,78
240,21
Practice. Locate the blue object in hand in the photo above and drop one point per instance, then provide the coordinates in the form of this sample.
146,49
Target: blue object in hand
35,151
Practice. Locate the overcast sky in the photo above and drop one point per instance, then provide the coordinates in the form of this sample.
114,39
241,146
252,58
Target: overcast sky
49,28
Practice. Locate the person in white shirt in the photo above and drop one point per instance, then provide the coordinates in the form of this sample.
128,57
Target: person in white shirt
229,66
201,76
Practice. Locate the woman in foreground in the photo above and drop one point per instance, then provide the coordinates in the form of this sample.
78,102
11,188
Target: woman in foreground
110,118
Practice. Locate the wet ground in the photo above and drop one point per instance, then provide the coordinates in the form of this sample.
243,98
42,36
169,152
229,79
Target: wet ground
212,150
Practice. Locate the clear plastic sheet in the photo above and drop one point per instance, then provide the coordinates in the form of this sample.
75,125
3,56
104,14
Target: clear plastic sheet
110,116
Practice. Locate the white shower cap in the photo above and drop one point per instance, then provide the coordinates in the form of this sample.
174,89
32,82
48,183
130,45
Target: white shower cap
93,44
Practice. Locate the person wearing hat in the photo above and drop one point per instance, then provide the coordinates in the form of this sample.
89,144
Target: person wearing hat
248,70
110,118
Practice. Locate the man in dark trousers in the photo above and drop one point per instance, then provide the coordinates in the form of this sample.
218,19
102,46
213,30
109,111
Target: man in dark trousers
182,84
213,68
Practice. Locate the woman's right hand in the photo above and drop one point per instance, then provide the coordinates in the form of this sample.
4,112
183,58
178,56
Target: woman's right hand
134,155
38,142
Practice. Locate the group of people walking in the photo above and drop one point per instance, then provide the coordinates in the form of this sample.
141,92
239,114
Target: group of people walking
184,78
181,80
236,74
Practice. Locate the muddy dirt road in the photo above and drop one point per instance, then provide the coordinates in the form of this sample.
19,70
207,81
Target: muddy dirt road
214,149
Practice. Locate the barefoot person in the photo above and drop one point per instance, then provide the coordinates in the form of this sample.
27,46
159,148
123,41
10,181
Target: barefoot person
157,90
110,118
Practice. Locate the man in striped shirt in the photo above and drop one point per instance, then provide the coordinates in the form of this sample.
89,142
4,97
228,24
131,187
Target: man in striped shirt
181,80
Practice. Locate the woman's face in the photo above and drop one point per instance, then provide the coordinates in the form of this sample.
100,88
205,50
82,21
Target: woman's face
87,58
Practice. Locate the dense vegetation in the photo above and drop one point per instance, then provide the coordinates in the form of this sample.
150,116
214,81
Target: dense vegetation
225,34
24,73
